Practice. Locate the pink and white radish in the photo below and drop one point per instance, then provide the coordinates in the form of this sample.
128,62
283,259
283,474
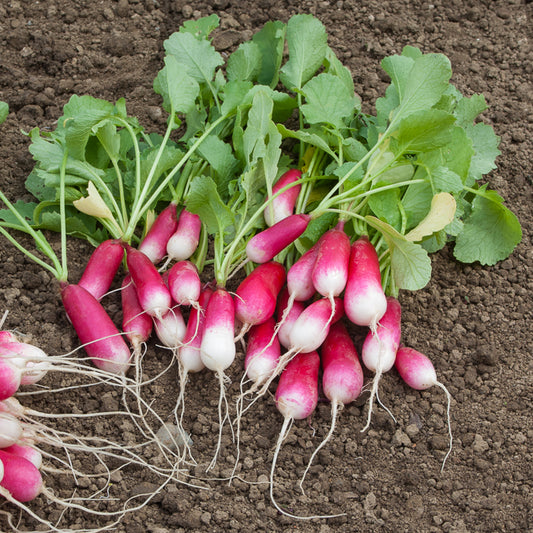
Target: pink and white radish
417,370
154,244
22,479
342,377
102,268
256,296
296,399
170,328
10,377
11,430
380,347
282,205
183,243
97,332
184,283
287,317
136,324
32,361
33,455
364,300
265,245
217,349
152,292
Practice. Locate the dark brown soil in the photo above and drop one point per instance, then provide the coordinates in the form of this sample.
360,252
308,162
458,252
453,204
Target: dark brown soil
474,322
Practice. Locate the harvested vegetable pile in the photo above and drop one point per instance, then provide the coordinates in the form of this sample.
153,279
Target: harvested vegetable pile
268,174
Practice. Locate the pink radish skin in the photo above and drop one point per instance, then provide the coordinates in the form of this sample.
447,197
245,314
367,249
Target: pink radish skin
8,336
256,296
330,270
154,244
296,399
380,347
189,352
184,283
10,430
264,246
31,360
170,328
417,370
311,328
218,348
364,300
136,324
10,376
152,292
29,453
300,276
342,377
283,205
22,480
262,351
102,268
103,342
286,319
184,241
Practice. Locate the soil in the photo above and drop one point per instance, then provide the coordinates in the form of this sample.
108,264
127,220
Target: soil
473,321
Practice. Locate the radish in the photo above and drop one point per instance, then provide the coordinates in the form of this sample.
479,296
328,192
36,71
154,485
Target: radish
380,347
170,328
265,245
184,283
102,341
287,317
10,430
102,268
152,292
22,479
217,349
342,378
29,453
262,353
8,336
10,377
154,244
31,360
136,324
183,243
296,399
417,370
257,294
364,300
283,205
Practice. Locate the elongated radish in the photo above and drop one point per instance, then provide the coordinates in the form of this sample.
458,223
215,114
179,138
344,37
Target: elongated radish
170,328
282,205
342,377
265,245
296,399
10,430
262,353
97,332
33,455
136,324
10,376
102,268
183,243
152,292
287,317
417,370
330,269
256,296
380,347
184,283
22,480
217,349
364,300
31,360
154,244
